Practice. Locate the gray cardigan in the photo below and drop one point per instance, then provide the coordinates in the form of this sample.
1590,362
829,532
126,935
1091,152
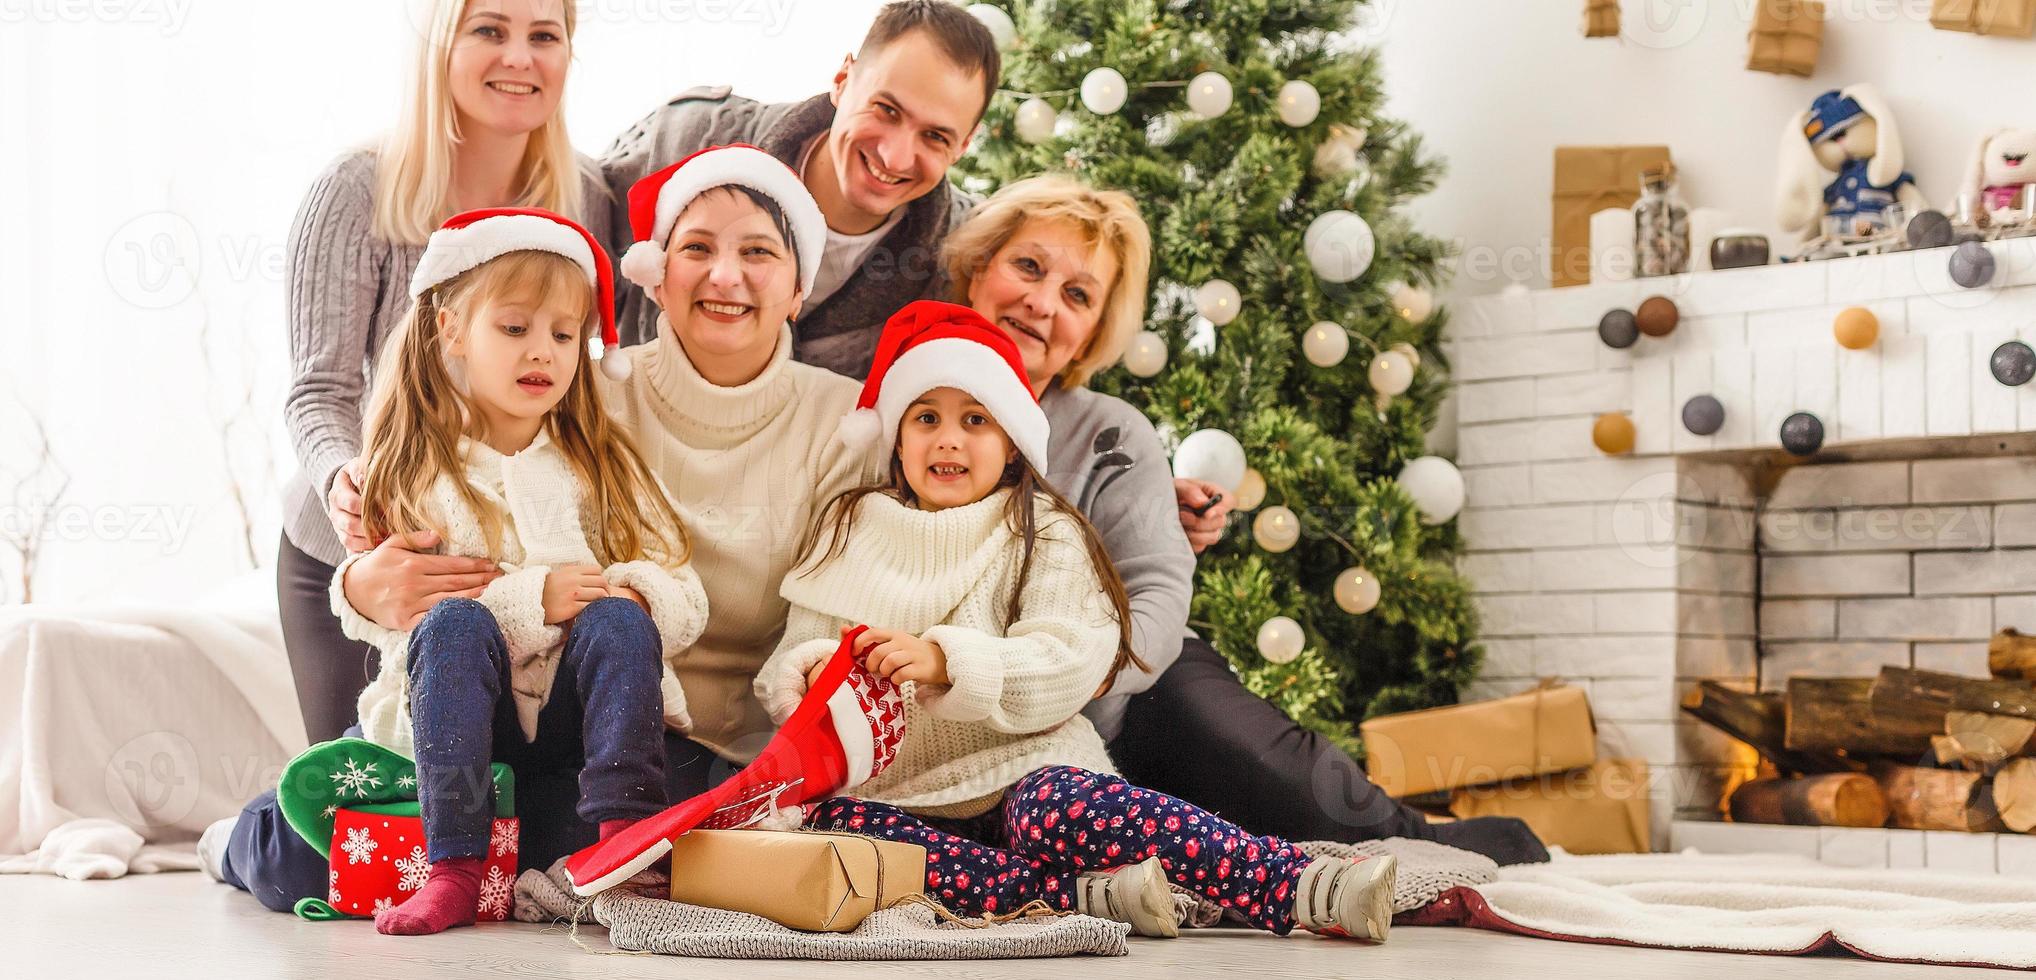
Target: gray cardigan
840,334
1140,527
346,290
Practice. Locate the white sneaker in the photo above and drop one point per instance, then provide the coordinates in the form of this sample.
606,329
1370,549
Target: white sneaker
212,847
1351,899
1136,894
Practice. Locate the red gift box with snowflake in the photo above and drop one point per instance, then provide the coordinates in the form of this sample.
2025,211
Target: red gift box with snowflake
379,860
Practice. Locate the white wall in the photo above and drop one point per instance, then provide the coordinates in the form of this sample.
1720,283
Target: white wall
152,153
1496,86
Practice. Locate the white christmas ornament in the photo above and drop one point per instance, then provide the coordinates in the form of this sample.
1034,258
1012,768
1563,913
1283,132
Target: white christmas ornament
1436,486
1036,119
1104,91
1209,94
1250,490
1325,344
1146,355
1412,303
1002,31
1337,154
1276,529
1280,640
1357,591
1339,245
1407,351
1218,300
1213,456
1299,103
1390,373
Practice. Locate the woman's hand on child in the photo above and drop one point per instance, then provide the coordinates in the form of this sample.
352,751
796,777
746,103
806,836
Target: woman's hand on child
343,508
571,588
396,583
901,657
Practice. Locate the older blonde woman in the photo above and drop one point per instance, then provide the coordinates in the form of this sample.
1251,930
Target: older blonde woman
1062,267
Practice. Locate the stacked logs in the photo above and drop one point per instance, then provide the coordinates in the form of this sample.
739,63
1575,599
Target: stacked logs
1913,749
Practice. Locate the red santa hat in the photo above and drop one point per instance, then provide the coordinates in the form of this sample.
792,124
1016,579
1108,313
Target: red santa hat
930,345
656,201
470,238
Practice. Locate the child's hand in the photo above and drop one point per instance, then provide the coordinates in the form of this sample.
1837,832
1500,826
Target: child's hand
903,657
813,676
569,589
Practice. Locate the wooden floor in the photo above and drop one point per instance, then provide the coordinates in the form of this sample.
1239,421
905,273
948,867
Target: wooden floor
186,925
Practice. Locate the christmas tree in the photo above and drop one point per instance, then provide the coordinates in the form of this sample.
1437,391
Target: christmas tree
1238,125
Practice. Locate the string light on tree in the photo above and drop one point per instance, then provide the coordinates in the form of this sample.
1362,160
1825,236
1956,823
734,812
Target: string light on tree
1357,591
1411,302
1219,301
1391,373
1002,31
1212,456
1299,103
1146,356
1250,490
1339,245
1036,120
1325,344
1276,529
1209,95
1280,640
1104,91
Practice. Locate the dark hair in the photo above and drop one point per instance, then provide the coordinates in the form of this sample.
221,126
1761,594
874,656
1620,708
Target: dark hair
1021,512
957,32
770,207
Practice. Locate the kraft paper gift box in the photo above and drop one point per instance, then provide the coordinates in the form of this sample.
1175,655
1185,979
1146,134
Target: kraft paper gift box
1589,179
1545,730
1602,809
1786,37
818,882
1601,18
2010,18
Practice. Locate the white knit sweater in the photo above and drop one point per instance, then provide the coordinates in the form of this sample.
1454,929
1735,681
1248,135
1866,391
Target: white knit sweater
948,577
545,514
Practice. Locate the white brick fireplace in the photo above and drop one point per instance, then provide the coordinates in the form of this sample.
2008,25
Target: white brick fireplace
1908,539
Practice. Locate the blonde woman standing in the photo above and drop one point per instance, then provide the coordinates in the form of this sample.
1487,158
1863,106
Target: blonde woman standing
480,127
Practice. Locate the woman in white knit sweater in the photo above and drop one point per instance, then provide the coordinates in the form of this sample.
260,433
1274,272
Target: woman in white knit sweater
991,599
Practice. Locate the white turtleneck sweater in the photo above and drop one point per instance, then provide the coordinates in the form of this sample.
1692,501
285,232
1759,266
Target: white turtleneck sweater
748,467
545,517
1018,685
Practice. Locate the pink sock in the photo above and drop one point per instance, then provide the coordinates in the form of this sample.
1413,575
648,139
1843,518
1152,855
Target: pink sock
610,828
450,897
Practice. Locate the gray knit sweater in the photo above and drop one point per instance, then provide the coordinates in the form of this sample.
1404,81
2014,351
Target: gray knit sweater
840,334
1140,527
347,289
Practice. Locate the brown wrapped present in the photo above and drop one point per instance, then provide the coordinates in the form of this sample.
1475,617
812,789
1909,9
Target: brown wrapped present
1589,179
819,882
2009,18
1599,810
1601,18
1786,37
1545,730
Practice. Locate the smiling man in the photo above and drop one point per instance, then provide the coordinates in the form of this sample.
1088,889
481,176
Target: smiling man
874,151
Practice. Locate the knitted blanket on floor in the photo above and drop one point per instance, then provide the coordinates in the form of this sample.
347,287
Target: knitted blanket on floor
1765,903
640,920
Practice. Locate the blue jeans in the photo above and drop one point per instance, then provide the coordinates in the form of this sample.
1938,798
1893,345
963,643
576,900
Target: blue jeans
561,789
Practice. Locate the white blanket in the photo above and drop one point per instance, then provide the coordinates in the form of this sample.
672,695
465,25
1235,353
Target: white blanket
1769,904
131,726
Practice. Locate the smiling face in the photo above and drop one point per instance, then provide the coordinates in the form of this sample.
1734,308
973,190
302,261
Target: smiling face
1045,289
507,67
521,349
953,453
902,116
730,283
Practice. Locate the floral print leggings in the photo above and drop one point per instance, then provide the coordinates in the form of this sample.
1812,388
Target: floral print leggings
1061,821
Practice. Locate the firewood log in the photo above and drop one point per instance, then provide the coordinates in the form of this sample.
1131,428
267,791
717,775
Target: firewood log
1830,800
1981,742
1937,799
1760,720
1834,714
2014,794
2012,656
1916,701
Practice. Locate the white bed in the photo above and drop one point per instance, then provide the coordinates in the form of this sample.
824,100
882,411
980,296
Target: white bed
130,729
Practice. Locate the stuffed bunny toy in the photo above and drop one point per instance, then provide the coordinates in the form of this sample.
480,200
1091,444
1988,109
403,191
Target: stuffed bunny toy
2000,167
1843,158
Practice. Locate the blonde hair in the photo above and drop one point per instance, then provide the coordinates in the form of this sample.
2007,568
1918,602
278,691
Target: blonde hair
1107,219
413,168
417,416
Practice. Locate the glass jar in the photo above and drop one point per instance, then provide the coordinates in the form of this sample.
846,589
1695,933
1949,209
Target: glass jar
1661,225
